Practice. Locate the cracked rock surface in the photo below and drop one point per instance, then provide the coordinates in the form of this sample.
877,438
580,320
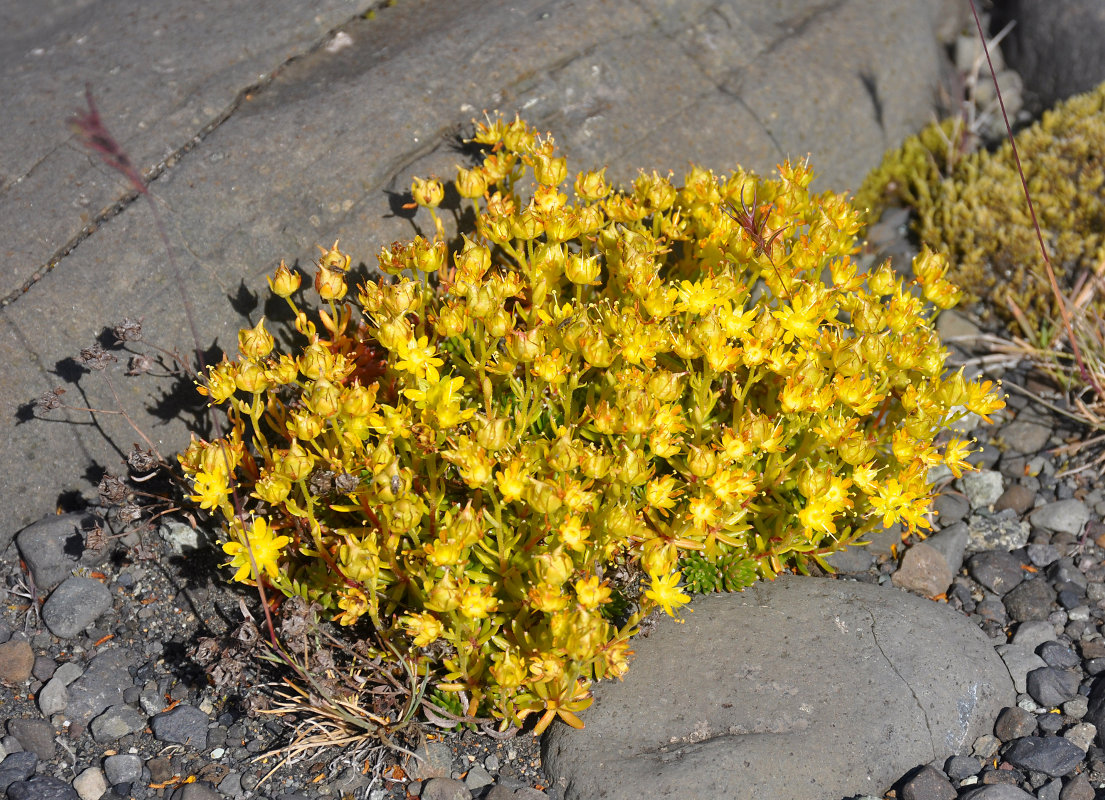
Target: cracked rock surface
268,131
745,720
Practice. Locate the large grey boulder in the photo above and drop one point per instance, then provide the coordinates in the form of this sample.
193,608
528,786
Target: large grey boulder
804,688
1055,46
315,134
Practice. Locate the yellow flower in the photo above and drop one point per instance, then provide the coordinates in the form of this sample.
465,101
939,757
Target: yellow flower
419,358
511,480
478,601
955,457
264,546
255,342
591,592
665,592
211,490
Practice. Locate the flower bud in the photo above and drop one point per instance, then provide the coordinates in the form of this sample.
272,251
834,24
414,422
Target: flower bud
359,401
554,568
252,378
595,463
525,346
445,595
471,183
882,281
702,461
428,193
494,434
255,342
285,282
428,256
472,261
542,497
325,398
592,186
334,259
450,321
665,386
562,225
304,425
499,323
315,361
297,463
330,284
634,469
596,349
548,170
583,270
508,670
272,489
813,483
483,300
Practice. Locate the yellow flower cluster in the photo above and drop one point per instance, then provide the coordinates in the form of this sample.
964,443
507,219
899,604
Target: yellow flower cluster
468,453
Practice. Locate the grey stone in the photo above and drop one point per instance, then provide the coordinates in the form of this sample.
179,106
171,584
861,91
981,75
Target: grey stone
200,790
1062,516
951,542
1078,788
854,558
997,791
959,767
1057,48
181,538
923,684
927,783
1026,436
35,735
115,722
951,509
997,570
1081,735
54,546
1050,755
1056,654
1003,530
75,605
122,768
1017,497
445,789
477,778
1041,555
90,784
923,570
433,760
16,767
183,724
1033,633
1052,686
52,698
1014,723
1031,600
42,787
101,685
1077,708
983,488
1019,661
68,672
842,82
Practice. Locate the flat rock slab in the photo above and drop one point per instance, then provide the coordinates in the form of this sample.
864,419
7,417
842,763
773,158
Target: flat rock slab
324,148
804,688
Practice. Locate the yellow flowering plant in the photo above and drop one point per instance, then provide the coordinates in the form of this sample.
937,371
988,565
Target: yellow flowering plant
500,457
